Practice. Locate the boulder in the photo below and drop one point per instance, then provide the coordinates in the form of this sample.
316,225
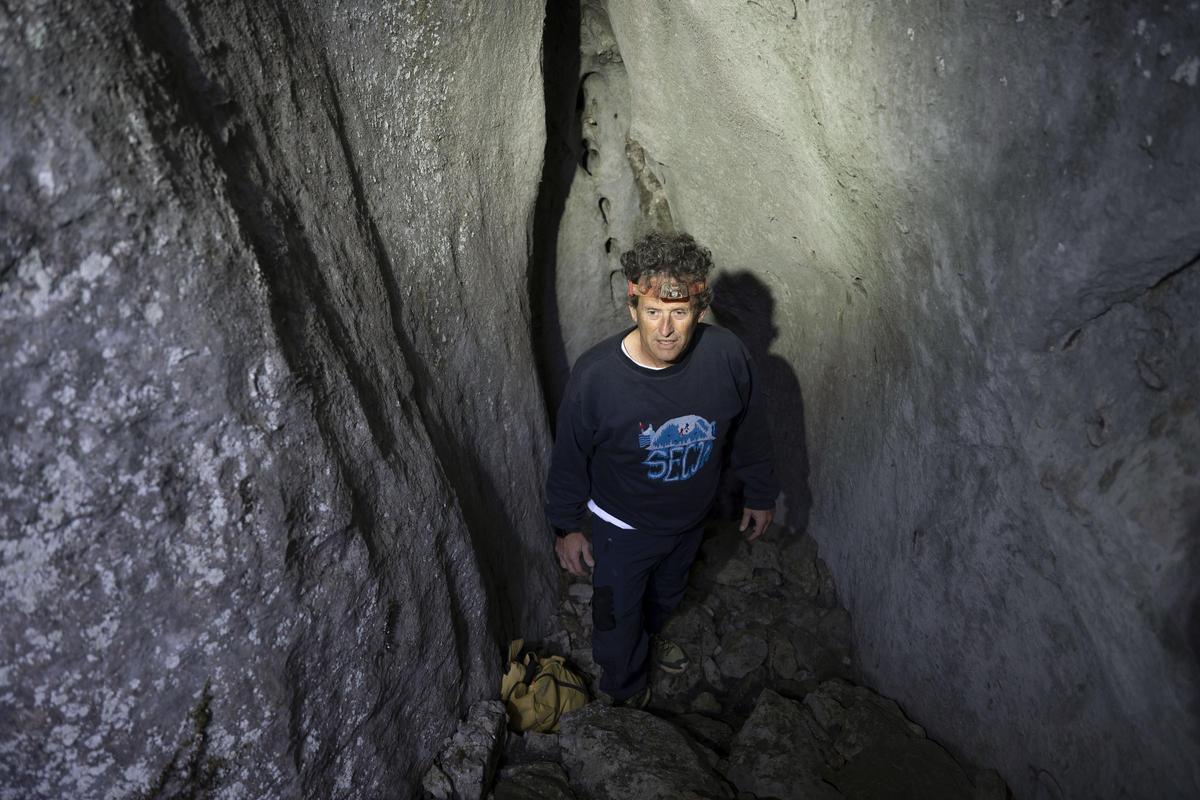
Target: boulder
706,703
843,740
619,753
882,754
781,752
531,747
712,733
465,765
543,780
742,652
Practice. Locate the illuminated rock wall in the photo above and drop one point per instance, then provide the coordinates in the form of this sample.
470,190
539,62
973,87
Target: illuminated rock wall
963,242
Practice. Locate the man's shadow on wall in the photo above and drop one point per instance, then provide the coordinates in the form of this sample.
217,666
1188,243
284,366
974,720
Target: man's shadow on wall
743,305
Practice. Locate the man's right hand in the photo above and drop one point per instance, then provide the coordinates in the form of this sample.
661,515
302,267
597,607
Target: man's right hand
574,550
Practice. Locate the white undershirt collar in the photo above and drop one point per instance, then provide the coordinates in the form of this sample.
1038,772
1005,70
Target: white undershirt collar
625,350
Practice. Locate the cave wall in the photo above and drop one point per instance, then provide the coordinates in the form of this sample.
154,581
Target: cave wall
963,239
268,410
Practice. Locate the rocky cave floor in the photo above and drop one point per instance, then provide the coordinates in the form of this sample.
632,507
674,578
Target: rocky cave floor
767,708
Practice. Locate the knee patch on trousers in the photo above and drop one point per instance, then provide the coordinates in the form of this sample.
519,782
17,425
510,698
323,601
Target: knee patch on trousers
603,618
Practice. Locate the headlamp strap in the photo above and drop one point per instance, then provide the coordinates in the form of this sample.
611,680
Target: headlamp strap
667,290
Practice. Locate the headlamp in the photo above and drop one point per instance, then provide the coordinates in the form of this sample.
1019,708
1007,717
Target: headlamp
667,290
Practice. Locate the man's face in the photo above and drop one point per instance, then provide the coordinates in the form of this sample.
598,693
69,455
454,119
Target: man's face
664,328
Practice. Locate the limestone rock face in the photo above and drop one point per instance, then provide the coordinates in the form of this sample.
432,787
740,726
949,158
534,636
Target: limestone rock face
962,245
608,201
270,433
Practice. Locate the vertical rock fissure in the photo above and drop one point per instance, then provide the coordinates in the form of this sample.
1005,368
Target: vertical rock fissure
617,194
560,81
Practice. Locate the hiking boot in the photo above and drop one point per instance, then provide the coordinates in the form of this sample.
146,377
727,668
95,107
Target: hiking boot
639,700
669,656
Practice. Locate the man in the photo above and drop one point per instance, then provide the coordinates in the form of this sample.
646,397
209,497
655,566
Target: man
648,418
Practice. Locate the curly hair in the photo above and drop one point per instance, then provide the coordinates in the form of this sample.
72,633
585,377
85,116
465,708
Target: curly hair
672,256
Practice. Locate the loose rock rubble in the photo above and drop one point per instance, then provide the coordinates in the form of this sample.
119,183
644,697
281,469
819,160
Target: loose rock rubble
767,708
467,761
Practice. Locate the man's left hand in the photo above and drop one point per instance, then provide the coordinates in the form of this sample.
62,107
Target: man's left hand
762,520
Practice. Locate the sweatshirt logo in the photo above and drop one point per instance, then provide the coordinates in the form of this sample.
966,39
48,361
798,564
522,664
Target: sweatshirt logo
678,449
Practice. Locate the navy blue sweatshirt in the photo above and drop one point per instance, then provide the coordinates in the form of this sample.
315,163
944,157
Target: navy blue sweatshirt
647,445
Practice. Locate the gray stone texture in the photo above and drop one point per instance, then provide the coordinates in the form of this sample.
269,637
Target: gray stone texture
271,441
270,434
712,733
614,199
466,764
531,747
543,780
961,241
841,741
781,752
619,753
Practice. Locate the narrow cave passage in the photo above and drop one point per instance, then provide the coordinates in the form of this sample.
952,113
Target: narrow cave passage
564,151
770,646
289,293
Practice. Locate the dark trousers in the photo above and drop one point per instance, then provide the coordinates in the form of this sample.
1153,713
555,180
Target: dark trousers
638,580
